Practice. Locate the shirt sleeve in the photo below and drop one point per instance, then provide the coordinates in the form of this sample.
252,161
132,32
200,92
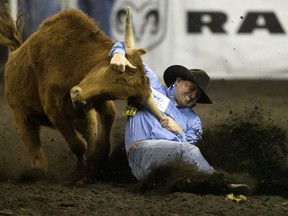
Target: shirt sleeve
118,47
154,81
194,132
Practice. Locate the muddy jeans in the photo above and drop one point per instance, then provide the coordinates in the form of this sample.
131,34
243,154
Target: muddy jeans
150,153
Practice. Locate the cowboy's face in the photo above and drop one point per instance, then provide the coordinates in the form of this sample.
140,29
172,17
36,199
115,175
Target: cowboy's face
186,93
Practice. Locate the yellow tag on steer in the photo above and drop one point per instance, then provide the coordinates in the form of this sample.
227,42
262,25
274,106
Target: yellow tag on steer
129,111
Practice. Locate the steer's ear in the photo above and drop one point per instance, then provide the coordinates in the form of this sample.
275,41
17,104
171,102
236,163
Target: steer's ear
142,51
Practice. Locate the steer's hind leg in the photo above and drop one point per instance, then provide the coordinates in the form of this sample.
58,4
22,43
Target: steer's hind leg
29,133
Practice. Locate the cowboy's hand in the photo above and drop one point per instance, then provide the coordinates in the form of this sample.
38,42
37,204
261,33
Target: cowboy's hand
119,62
169,123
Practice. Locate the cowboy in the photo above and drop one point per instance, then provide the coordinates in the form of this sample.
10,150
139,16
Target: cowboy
150,142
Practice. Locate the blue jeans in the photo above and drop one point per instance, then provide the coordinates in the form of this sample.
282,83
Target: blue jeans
150,153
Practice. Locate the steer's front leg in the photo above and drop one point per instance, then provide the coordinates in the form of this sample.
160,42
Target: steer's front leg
151,105
75,140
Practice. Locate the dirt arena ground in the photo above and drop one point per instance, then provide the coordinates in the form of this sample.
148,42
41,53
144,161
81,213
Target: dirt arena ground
57,195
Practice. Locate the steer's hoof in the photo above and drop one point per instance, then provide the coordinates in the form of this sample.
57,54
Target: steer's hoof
33,175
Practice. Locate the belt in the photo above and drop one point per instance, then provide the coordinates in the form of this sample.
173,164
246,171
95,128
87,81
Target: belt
133,145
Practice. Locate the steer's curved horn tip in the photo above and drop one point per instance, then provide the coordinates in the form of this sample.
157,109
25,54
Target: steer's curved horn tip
128,13
129,38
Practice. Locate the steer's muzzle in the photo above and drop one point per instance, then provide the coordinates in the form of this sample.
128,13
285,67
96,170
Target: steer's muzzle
77,100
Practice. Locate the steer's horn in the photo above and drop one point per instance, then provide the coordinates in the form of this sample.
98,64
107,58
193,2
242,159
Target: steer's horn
129,38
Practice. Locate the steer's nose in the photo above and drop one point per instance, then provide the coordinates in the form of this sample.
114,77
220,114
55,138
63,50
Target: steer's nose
75,94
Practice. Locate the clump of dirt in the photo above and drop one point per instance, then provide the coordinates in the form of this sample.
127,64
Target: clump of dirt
179,177
246,143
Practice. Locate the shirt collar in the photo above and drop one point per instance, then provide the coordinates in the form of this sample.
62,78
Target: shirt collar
171,94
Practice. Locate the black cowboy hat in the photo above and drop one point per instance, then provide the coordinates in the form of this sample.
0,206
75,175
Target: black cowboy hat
197,76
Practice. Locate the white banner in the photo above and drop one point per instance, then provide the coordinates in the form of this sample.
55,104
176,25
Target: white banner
229,39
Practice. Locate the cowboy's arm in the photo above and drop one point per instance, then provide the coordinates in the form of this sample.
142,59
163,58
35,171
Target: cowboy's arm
118,60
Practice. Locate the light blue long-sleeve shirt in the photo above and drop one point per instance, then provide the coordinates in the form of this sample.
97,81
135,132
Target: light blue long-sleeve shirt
144,125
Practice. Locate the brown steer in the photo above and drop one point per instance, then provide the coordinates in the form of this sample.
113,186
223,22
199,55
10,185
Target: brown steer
68,52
